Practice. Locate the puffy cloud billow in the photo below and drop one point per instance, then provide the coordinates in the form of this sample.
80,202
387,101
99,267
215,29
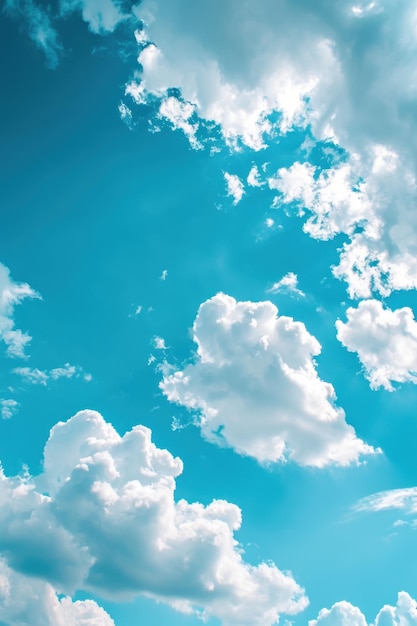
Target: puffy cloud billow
102,517
384,340
404,613
254,387
26,601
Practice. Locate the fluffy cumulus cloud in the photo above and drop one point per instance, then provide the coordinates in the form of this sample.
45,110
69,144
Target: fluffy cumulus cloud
384,340
254,387
404,613
26,601
102,517
11,294
239,62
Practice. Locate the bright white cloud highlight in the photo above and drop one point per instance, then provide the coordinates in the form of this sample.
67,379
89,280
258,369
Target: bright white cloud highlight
12,294
287,284
28,601
254,387
42,377
384,340
102,517
234,186
404,613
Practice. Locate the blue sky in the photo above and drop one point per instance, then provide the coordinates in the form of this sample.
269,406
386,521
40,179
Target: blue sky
207,296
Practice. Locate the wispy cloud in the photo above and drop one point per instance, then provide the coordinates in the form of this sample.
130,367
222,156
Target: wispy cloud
42,377
39,26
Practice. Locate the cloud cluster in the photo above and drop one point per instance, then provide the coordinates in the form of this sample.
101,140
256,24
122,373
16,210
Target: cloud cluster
351,81
26,601
8,408
102,517
254,387
384,340
371,201
343,613
11,294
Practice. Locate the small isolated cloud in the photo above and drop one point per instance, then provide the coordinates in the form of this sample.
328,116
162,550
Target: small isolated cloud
345,614
11,294
384,340
102,517
39,27
287,284
42,377
159,343
163,276
29,601
269,222
254,387
235,187
125,114
8,408
254,177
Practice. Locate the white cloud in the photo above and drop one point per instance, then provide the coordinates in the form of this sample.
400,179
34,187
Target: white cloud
42,377
27,601
333,199
163,276
351,81
254,387
229,63
384,340
345,614
341,614
102,16
235,187
254,178
8,408
11,294
371,200
102,517
159,343
179,114
394,499
237,96
287,284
